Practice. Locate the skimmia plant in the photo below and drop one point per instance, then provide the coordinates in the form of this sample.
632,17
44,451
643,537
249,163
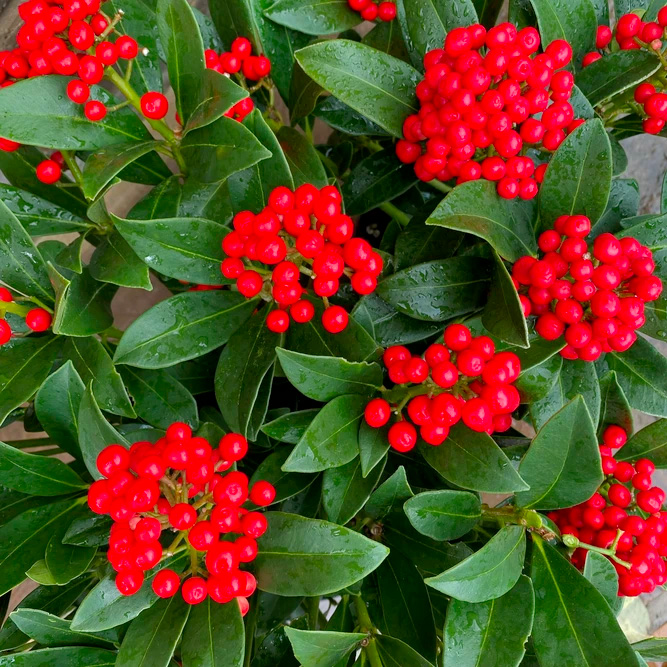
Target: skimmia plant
385,415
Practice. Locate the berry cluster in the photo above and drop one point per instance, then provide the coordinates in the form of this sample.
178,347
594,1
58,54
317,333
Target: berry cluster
464,379
622,520
596,302
36,319
370,10
479,100
178,485
303,235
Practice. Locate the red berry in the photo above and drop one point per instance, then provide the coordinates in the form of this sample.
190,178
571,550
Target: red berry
38,319
127,47
262,493
48,171
78,91
477,415
402,436
129,582
94,110
233,447
377,412
277,321
335,319
154,105
182,516
457,337
166,583
194,590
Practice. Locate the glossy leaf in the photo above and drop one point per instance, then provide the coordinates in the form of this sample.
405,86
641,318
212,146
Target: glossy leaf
341,117
390,495
115,262
217,94
650,442
324,378
473,461
213,636
562,465
88,531
290,427
24,364
287,484
578,179
573,622
395,653
322,649
493,632
314,18
303,159
66,562
489,572
614,407
373,445
331,440
443,515
419,243
64,656
438,290
476,208
600,571
654,648
36,474
300,556
377,85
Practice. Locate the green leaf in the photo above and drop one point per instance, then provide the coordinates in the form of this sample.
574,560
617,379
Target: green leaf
83,305
438,290
345,490
489,572
375,84
23,269
373,445
601,573
615,73
476,208
386,36
331,440
390,495
23,540
287,484
419,243
244,375
623,203
65,656
40,574
40,216
163,335
314,17
89,531
578,179
213,636
443,515
38,112
152,637
614,408
324,378
503,314
66,562
36,474
406,609
115,262
656,318
103,165
492,632
302,158
322,649
341,117
654,648
377,179
651,441
573,624
641,372
182,248
95,432
24,364
57,407
159,398
473,461
70,257
300,556
181,40
562,465
221,149
429,22
571,20
93,364
395,653
647,229
290,427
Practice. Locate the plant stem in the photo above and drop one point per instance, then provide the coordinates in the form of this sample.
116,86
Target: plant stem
70,161
509,513
366,625
440,186
401,218
313,606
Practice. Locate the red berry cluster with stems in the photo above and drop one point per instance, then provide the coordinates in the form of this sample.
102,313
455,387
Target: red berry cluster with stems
479,102
622,520
180,485
304,235
595,299
464,379
370,10
36,319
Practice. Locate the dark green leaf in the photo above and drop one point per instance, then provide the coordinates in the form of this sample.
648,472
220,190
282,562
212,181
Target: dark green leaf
89,531
182,248
503,313
654,648
290,427
217,94
443,515
221,149
152,636
562,465
647,229
488,573
623,203
65,656
300,556
578,178
473,461
213,636
395,653
656,318
601,573
651,441
341,117
614,407
345,490
490,633
303,95
66,562
386,36
303,159
115,262
540,368
24,364
438,290
313,17
287,484
322,649
390,495
70,257
331,440
373,445
573,624
475,208
375,84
